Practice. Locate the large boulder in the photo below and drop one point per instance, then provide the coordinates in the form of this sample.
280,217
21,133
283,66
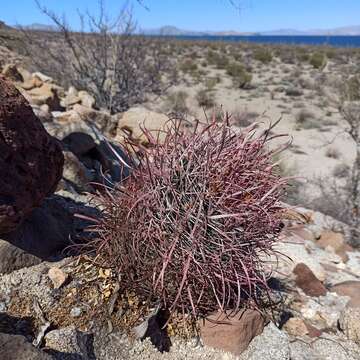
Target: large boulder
133,121
31,160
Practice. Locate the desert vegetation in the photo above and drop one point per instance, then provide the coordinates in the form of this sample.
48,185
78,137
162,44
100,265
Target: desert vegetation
174,191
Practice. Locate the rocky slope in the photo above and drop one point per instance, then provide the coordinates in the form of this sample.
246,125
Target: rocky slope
54,306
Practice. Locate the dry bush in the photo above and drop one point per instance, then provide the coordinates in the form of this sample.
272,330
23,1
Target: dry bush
205,98
192,225
117,68
220,60
243,118
263,55
176,102
318,60
305,119
188,66
240,77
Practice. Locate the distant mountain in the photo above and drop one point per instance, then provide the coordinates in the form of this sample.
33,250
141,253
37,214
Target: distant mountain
341,31
40,27
174,31
3,26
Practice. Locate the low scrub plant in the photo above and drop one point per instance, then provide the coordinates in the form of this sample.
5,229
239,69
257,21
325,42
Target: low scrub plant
318,60
191,226
263,55
241,78
205,98
176,102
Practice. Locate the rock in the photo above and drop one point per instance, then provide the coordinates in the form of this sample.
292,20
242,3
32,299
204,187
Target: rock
291,91
46,94
323,312
234,333
75,312
30,159
300,350
12,258
42,77
50,228
76,172
42,112
86,99
308,282
313,332
303,233
297,253
16,347
330,347
70,341
71,98
57,276
335,241
131,122
351,289
154,329
272,344
81,119
12,73
349,323
296,327
79,143
102,120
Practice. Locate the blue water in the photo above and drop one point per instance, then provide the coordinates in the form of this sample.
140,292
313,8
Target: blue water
337,41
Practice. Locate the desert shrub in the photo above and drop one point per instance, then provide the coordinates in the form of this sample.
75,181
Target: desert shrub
220,60
293,91
240,77
211,82
263,55
205,98
176,102
243,118
352,90
318,60
188,66
192,225
117,68
305,119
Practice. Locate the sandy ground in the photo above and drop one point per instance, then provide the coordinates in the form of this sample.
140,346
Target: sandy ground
308,157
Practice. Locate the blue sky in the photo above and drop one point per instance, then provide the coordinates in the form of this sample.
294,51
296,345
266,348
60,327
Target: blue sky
255,15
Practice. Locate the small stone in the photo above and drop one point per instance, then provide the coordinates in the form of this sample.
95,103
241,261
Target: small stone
336,242
351,289
75,312
349,323
313,332
296,327
231,333
308,282
57,276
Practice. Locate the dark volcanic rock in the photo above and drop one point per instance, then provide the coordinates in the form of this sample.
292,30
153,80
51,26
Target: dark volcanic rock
31,160
51,228
16,347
